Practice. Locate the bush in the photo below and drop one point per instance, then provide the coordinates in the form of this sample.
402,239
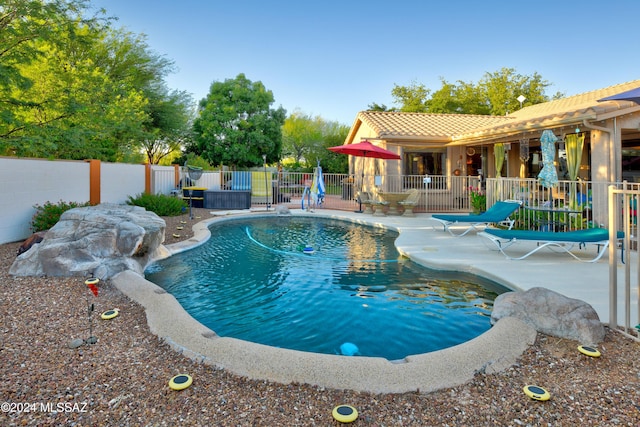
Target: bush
159,204
48,215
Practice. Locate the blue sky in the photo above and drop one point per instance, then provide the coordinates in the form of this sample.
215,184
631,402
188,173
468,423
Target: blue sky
333,58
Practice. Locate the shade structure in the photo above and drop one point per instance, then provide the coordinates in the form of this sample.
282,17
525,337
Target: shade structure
629,95
365,149
548,176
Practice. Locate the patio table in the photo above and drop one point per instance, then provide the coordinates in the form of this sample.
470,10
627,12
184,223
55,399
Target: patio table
393,199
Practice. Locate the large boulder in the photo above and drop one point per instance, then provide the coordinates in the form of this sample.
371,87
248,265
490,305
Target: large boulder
551,313
98,240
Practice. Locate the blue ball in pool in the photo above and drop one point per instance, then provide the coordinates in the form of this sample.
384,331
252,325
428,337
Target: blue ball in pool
349,349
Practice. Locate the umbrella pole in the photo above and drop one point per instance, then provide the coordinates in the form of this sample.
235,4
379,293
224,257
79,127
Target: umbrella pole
360,195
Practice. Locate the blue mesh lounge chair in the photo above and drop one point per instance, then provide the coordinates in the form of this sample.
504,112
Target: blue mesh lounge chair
241,181
560,241
499,213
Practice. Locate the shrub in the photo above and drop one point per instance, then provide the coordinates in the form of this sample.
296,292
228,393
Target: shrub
160,204
478,200
48,215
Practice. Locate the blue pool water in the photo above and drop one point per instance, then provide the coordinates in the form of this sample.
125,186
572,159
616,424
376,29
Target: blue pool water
324,286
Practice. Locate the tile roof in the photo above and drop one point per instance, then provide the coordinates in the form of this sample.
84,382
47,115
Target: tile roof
396,125
461,128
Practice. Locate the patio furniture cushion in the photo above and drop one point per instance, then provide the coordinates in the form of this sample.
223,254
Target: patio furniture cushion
499,213
564,241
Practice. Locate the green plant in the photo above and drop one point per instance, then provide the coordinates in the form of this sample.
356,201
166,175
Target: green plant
477,200
48,214
160,204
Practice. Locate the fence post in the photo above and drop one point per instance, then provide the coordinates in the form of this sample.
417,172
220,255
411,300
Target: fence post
613,261
176,168
147,178
94,182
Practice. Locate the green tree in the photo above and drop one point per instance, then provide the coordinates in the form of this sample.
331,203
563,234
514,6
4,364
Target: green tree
168,114
334,134
236,126
461,98
503,87
496,93
300,134
412,98
21,23
379,107
169,129
73,87
71,109
306,139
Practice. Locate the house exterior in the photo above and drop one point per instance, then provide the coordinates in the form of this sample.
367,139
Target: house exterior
460,144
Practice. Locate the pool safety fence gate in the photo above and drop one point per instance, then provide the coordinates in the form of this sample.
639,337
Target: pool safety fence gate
623,214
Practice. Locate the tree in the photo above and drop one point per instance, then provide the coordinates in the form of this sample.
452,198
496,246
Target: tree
307,138
236,126
334,135
22,22
503,87
71,109
379,107
26,28
300,134
169,129
413,98
496,93
73,87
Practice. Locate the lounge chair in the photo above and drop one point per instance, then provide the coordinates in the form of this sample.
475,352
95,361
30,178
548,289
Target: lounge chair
499,213
261,187
563,241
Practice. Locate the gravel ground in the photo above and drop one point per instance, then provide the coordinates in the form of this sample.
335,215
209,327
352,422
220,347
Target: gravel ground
122,380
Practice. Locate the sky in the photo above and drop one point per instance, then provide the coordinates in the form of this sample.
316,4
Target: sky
334,58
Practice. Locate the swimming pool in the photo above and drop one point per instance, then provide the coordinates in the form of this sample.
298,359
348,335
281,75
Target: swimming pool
253,280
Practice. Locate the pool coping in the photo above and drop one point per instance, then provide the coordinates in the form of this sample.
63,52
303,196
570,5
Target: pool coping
493,351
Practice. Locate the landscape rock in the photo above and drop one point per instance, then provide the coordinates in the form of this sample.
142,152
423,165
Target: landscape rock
98,240
551,313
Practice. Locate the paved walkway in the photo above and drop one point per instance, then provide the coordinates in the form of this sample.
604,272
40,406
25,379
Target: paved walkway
493,351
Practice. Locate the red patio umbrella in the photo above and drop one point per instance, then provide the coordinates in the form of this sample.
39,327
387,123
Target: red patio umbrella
365,149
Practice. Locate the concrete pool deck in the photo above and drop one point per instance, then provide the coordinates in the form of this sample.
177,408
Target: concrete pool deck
493,351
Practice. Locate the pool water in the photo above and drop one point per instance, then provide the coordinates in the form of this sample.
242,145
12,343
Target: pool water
324,286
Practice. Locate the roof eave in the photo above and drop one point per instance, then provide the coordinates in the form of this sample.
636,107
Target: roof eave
519,128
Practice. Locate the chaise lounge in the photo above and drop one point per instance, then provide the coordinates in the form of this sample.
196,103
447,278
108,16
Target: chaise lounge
563,241
499,213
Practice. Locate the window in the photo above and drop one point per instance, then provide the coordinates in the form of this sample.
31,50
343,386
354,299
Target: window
430,162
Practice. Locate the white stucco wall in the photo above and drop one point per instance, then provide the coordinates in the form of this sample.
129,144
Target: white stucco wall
28,182
25,183
119,181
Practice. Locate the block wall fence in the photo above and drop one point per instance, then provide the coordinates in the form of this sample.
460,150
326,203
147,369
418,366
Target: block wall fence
25,183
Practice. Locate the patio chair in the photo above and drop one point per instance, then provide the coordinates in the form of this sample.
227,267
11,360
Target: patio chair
364,198
410,202
499,213
378,204
562,242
